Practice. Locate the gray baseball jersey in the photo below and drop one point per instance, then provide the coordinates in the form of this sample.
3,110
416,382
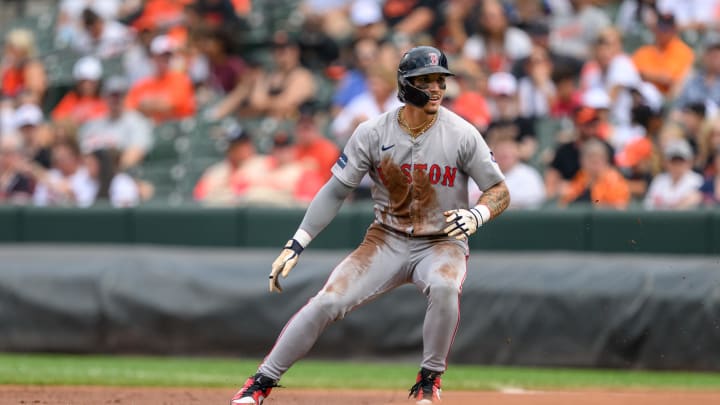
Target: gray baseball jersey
416,179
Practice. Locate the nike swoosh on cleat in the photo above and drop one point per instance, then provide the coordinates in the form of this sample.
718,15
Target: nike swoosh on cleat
384,148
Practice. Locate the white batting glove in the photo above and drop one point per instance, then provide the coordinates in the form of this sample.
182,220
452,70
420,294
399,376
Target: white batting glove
284,263
464,223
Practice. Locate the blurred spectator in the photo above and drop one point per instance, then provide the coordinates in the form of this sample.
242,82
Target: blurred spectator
28,120
83,103
222,182
711,187
678,187
575,30
407,18
540,37
216,13
168,94
110,184
160,15
125,130
277,93
708,143
16,185
567,94
460,17
703,86
470,102
68,183
524,182
634,17
226,68
329,17
380,97
100,37
640,158
367,18
318,49
596,182
354,81
285,88
692,15
496,45
137,59
667,61
285,182
690,121
612,70
566,161
312,147
536,90
20,71
642,94
68,26
506,121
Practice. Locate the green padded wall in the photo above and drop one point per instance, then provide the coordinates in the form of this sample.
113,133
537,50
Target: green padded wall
534,230
574,229
651,231
186,226
9,223
715,232
96,225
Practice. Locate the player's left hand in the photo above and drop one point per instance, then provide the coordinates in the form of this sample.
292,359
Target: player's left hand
463,223
284,263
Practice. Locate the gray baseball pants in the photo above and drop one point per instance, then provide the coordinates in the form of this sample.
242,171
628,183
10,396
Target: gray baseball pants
383,261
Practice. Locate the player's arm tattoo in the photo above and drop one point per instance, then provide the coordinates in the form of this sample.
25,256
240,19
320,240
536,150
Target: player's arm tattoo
497,199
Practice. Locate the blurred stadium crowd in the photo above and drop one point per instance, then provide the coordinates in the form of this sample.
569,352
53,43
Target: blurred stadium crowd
236,102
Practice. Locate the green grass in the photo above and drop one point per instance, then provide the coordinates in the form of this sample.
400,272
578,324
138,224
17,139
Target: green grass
203,372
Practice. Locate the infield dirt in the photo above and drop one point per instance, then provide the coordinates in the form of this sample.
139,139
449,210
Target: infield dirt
285,396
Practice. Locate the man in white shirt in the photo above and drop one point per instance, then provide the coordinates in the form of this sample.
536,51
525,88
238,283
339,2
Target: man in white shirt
125,130
678,187
68,183
527,190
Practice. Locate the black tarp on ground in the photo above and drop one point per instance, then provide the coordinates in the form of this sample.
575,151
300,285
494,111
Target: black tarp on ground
532,309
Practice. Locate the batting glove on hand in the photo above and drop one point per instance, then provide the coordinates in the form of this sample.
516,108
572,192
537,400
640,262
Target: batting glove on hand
284,263
463,223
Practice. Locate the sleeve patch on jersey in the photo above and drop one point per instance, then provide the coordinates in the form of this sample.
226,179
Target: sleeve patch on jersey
342,160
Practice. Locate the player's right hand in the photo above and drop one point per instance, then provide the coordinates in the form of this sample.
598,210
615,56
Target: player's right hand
284,263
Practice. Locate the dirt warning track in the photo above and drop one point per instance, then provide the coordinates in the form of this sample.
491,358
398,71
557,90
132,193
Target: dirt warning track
286,396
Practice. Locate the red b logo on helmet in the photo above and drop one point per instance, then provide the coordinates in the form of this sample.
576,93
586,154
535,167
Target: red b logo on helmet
433,58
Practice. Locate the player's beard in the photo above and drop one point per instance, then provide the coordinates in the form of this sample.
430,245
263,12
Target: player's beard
431,108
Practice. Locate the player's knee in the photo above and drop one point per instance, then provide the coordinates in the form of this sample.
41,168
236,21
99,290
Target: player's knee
331,304
444,295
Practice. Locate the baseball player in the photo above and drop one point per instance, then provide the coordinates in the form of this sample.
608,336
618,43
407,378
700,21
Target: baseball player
419,157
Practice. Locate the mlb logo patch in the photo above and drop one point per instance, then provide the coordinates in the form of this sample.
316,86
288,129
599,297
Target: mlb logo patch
342,161
434,60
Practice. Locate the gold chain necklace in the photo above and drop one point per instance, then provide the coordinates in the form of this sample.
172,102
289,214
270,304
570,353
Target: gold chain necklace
420,129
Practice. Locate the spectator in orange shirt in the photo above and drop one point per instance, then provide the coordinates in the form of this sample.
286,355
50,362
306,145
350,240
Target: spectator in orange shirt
167,95
597,182
222,183
285,182
20,71
666,62
312,147
84,102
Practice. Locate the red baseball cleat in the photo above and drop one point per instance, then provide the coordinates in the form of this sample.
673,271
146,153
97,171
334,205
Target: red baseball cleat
255,390
427,387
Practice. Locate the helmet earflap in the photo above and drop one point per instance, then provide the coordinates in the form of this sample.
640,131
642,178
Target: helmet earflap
408,93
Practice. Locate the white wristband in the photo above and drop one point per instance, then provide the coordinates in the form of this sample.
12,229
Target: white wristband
484,212
303,238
